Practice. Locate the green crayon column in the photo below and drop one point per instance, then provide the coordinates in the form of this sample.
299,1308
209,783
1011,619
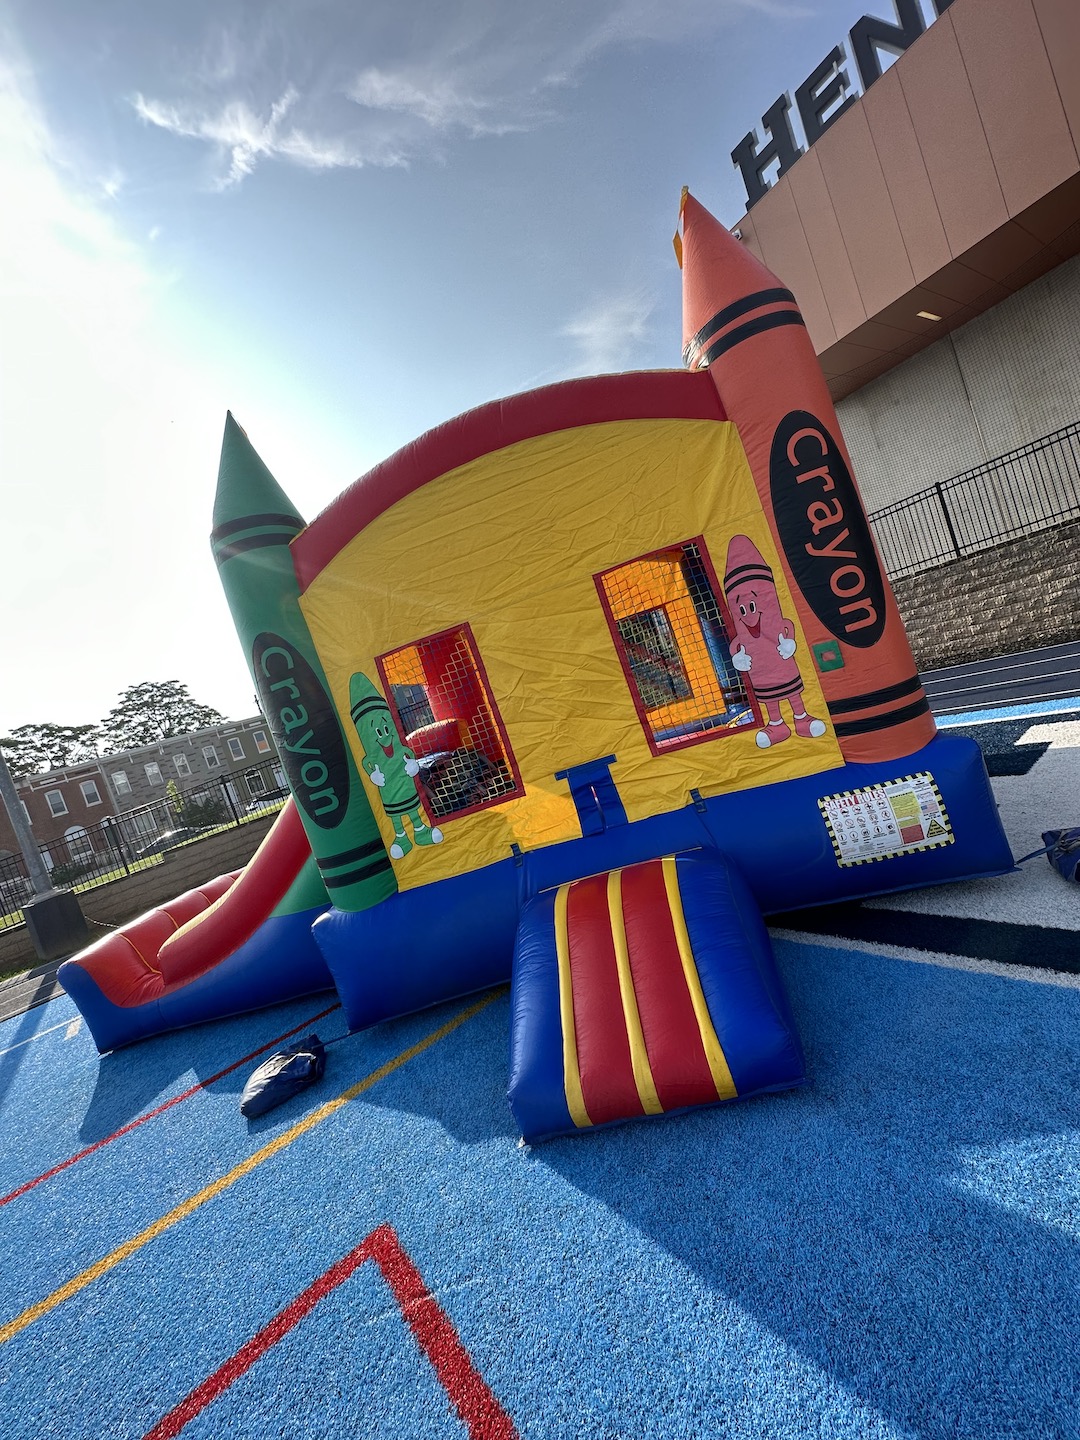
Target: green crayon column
253,524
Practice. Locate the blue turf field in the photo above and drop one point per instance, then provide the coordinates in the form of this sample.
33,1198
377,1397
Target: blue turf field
891,1251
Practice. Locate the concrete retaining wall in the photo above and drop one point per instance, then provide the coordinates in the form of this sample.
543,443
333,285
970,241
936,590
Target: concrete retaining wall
1015,597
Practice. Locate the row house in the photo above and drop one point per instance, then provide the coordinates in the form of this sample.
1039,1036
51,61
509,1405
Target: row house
236,762
63,807
240,753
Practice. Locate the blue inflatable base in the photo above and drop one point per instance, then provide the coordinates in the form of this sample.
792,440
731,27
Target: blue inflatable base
453,937
279,962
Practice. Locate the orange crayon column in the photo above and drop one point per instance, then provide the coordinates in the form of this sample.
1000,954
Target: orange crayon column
743,326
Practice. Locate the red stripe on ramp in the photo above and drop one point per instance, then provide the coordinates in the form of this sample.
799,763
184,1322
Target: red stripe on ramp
676,1054
429,1323
607,1073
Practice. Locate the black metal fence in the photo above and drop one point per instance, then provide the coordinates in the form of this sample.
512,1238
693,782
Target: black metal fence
95,854
1027,490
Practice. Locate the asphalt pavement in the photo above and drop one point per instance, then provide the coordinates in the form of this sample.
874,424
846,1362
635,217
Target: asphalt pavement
1052,673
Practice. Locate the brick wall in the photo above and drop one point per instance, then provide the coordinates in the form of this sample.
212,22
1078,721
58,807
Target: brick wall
1017,596
114,904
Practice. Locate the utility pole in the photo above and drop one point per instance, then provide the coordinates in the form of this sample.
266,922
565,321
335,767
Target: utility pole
35,866
53,917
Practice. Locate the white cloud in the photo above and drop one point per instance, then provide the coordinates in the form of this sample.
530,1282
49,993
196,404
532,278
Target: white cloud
104,550
607,332
633,21
438,100
480,68
242,138
57,245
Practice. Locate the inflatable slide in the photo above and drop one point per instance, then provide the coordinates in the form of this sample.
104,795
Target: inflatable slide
234,944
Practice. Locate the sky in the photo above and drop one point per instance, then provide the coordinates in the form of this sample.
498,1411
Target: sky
345,222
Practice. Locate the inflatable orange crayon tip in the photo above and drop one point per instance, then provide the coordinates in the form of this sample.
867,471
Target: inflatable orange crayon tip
744,326
676,239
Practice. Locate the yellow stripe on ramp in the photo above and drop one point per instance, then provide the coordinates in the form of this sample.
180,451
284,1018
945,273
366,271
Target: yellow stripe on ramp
639,1056
714,1052
575,1099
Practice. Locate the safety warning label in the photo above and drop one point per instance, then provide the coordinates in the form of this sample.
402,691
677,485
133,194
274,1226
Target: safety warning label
879,822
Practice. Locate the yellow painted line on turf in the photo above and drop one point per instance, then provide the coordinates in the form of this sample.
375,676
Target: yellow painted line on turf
267,1152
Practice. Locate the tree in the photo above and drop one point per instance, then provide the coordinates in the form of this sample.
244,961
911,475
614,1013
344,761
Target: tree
153,711
33,749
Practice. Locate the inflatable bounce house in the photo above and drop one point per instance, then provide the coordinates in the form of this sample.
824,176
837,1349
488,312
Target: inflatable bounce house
571,691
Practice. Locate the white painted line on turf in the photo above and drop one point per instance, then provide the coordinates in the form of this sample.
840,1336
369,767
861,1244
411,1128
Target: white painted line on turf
67,1024
1030,974
1044,653
73,1028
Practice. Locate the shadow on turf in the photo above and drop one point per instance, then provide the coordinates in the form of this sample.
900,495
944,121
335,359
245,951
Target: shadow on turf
459,1083
131,1081
30,1022
908,1222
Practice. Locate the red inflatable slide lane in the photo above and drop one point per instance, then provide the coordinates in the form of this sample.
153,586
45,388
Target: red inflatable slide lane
174,944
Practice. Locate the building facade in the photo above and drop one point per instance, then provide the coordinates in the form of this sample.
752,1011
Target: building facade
61,806
131,788
238,752
930,233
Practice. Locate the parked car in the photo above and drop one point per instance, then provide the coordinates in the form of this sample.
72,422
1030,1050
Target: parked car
266,799
169,840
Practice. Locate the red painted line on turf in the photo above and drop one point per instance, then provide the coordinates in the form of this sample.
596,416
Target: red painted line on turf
429,1323
150,1114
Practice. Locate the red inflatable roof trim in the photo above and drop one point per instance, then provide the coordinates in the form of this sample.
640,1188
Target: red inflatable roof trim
640,395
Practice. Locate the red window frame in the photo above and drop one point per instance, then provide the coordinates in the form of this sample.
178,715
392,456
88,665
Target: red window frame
668,747
465,630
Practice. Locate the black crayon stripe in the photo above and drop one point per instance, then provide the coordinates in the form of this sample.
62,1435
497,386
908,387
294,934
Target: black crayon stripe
875,697
254,522
882,722
777,692
745,332
732,312
370,702
350,857
252,542
748,572
354,877
401,807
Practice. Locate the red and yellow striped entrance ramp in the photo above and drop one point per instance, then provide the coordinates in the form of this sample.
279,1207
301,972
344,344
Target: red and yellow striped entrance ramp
644,991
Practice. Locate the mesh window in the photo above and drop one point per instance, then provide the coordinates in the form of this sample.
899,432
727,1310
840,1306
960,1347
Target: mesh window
653,656
444,712
672,635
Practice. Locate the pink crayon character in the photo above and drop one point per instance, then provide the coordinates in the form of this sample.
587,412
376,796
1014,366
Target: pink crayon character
764,645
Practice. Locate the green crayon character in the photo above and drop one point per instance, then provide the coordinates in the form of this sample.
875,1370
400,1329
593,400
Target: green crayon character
390,765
